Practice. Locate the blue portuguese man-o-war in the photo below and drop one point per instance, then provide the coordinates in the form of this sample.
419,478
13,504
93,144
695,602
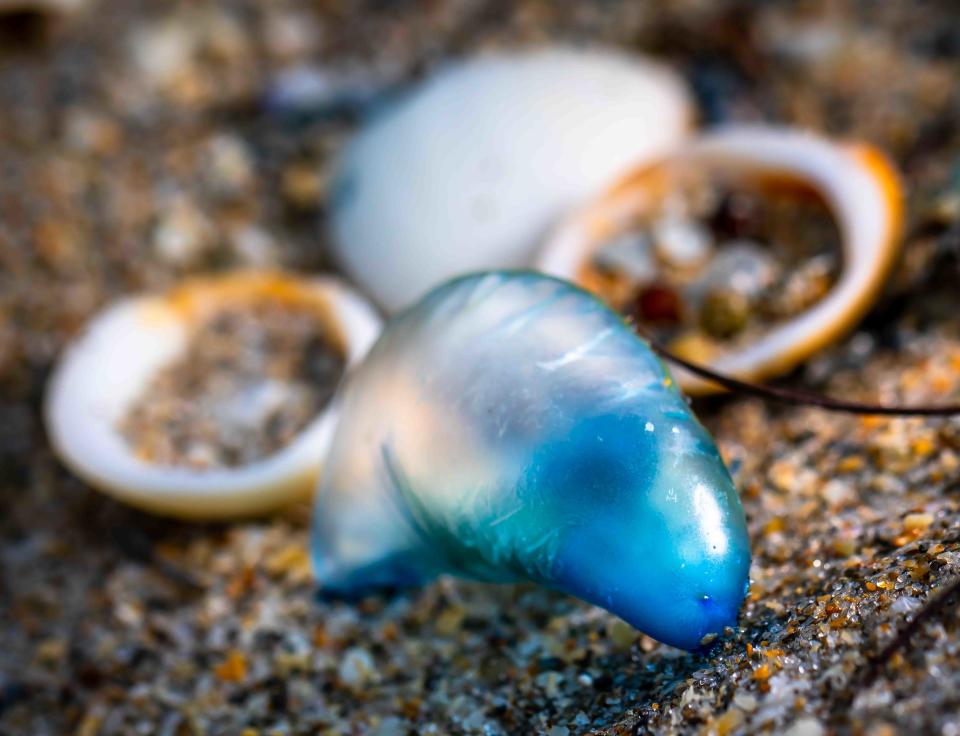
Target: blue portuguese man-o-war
510,427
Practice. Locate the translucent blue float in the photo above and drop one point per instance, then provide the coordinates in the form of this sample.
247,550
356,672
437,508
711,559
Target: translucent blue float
510,427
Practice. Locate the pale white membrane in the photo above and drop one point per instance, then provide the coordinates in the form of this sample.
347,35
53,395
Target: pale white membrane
469,170
105,371
855,182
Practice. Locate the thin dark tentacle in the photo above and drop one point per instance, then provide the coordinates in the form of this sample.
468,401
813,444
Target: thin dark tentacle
791,396
933,607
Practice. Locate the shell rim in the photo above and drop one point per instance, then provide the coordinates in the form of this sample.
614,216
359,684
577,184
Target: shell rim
278,479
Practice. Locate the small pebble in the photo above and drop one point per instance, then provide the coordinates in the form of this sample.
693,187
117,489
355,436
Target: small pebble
681,243
183,235
805,727
630,254
622,634
357,668
917,522
724,313
745,702
838,492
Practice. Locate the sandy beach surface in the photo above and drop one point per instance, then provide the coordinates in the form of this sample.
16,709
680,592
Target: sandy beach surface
141,142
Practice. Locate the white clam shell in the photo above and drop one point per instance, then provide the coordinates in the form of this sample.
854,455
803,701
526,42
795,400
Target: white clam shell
106,369
471,169
855,181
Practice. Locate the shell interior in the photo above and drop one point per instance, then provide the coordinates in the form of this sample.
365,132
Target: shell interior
104,374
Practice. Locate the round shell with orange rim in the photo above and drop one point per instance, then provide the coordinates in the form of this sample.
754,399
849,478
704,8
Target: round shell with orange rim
116,363
857,183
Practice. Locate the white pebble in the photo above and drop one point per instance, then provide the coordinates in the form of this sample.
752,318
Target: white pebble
163,51
254,246
631,255
229,165
805,727
742,265
905,604
322,90
745,702
182,234
357,667
682,242
838,492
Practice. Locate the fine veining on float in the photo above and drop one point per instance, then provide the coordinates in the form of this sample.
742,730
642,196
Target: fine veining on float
511,427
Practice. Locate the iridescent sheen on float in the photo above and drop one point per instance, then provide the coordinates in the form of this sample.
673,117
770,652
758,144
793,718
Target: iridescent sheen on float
510,427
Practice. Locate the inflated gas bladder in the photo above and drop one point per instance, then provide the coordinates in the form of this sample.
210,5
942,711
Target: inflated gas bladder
510,427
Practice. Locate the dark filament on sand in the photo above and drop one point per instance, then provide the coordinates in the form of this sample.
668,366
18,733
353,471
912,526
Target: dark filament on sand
793,396
802,398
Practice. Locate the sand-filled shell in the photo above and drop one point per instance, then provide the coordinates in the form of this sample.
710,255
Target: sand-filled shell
471,168
511,427
855,181
115,364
